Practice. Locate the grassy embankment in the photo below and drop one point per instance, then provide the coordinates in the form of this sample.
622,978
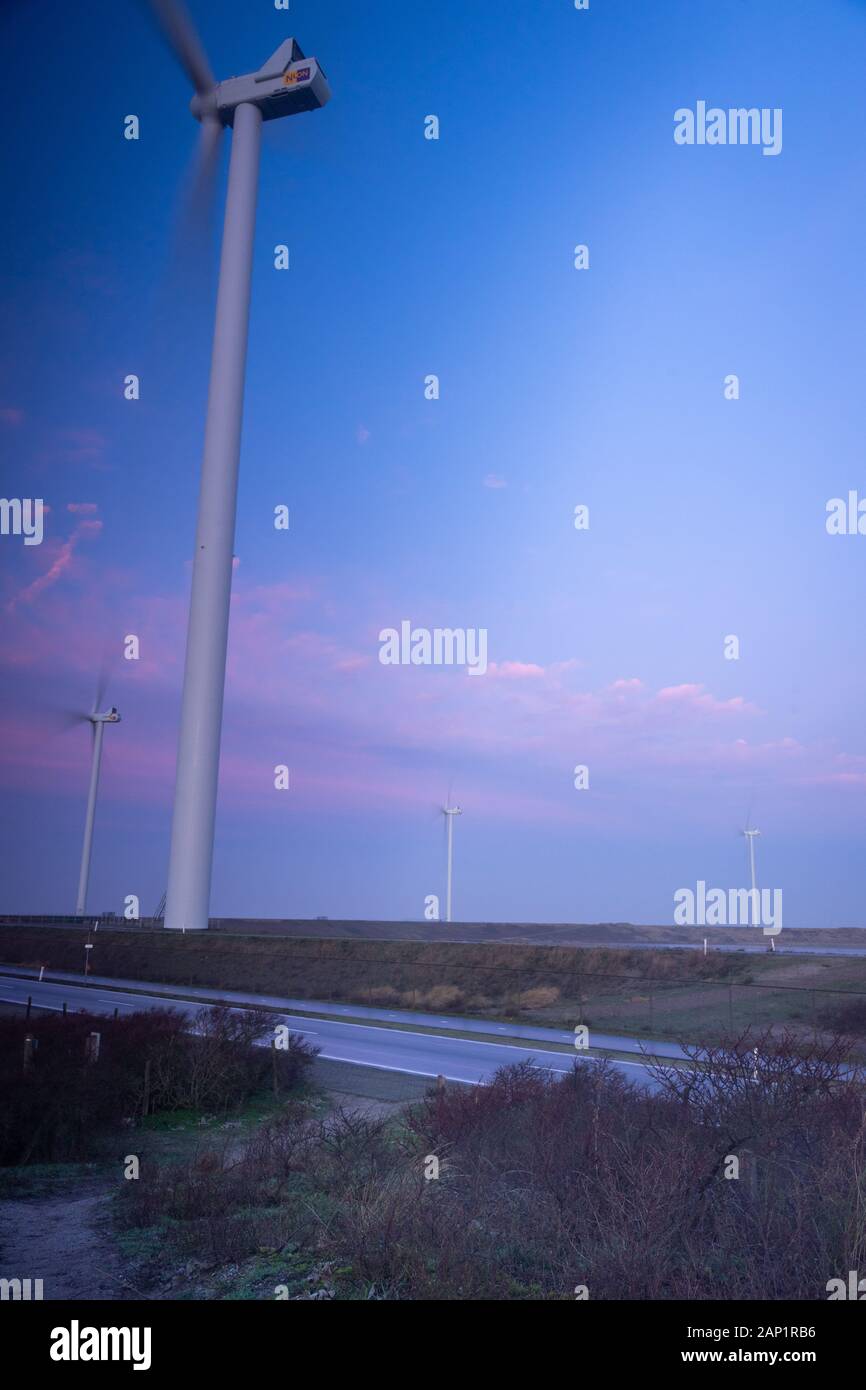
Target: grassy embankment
639,992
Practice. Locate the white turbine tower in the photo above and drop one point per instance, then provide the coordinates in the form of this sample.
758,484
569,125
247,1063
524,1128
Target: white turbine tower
286,84
751,836
449,812
97,724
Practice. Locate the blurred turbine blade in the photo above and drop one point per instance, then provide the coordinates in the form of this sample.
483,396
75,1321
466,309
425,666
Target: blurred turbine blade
178,30
56,720
101,682
68,719
207,159
197,215
185,298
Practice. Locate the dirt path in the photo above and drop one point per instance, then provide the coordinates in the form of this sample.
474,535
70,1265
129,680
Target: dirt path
65,1242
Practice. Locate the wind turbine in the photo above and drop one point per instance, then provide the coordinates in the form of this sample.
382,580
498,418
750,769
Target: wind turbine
449,812
751,835
285,85
97,726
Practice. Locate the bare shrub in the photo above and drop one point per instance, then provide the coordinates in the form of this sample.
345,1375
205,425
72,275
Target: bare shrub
545,1183
61,1106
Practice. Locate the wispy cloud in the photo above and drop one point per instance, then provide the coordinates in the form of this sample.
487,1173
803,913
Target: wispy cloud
76,445
303,691
60,555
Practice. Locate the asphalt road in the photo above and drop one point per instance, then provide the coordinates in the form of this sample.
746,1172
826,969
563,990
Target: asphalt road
531,1032
364,1044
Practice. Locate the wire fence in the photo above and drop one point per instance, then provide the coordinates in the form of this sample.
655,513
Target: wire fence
656,1007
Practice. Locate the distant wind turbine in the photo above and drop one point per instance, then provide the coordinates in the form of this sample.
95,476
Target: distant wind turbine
97,723
751,835
449,812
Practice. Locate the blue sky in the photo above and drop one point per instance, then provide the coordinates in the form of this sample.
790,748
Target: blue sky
558,387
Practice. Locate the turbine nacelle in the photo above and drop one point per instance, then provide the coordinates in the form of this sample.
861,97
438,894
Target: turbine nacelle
109,716
286,84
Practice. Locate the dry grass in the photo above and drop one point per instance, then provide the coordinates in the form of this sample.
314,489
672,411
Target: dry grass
654,993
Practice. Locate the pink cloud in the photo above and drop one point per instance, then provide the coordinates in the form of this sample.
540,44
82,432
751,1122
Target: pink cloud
77,445
61,555
493,480
625,687
695,697
514,670
10,415
840,770
301,691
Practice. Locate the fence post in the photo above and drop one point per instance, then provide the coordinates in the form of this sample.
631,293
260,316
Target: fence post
146,1100
29,1007
731,1007
28,1054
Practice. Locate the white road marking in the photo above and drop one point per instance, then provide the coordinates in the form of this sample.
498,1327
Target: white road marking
404,1032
